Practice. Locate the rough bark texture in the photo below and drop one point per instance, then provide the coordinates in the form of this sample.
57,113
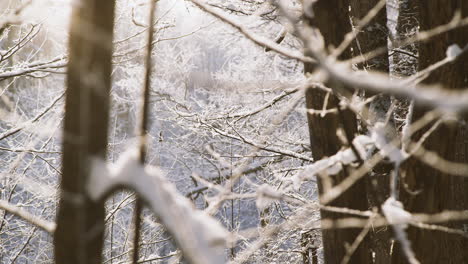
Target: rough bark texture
332,19
439,191
405,57
373,36
80,221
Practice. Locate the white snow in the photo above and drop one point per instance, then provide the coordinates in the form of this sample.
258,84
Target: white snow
335,168
334,164
395,213
399,218
200,237
453,51
383,143
363,143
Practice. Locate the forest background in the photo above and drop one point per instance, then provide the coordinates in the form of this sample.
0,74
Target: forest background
241,131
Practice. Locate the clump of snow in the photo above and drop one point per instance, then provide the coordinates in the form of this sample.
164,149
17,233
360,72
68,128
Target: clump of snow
334,164
363,144
395,213
334,169
346,156
453,51
399,219
383,142
200,237
104,176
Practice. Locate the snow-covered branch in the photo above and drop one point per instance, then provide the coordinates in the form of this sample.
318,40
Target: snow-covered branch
200,237
257,110
433,95
20,127
262,41
399,219
47,226
334,164
36,67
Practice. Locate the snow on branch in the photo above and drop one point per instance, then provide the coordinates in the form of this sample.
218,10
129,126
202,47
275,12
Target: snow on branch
269,104
36,67
334,164
200,237
395,214
383,141
399,219
47,226
20,127
257,39
432,95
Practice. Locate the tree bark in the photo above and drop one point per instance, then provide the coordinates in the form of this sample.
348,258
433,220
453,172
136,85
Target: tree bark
331,17
438,191
372,36
80,221
405,58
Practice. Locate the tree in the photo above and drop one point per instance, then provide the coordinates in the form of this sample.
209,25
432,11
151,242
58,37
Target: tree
425,189
371,35
80,220
331,18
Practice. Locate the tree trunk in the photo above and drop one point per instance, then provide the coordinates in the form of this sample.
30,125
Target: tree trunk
405,58
332,19
373,36
80,221
438,191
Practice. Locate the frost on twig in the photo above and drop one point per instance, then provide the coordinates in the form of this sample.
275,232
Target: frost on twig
200,237
34,220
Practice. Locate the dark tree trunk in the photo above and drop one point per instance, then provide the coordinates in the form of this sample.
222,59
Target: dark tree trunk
373,36
405,58
439,191
80,221
332,19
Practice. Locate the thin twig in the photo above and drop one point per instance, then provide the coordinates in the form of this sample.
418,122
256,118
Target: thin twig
144,124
